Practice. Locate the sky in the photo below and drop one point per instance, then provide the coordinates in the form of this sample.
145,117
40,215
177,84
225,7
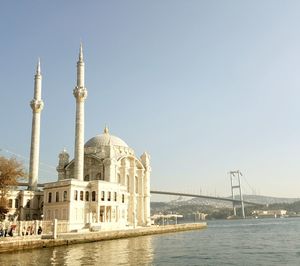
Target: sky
205,87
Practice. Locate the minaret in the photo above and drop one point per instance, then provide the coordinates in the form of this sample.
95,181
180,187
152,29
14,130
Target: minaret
37,105
80,94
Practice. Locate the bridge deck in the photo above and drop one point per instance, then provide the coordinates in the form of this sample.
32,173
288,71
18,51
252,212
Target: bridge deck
201,196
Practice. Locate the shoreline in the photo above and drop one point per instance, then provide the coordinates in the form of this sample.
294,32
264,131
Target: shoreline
11,244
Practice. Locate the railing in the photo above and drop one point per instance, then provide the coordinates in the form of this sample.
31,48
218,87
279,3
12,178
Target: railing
32,228
62,226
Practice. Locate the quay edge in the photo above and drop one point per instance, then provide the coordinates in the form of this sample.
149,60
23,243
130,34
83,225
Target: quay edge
27,242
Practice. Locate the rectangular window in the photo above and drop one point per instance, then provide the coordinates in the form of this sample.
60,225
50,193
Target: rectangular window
57,196
76,195
65,195
94,196
123,198
102,195
109,196
10,201
49,197
56,214
16,203
87,196
64,214
116,197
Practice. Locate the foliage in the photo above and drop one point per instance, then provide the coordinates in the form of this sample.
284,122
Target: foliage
11,171
219,214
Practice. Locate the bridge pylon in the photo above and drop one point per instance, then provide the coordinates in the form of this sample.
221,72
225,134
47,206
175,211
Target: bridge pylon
235,179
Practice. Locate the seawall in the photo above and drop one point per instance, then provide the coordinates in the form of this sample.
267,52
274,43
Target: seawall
9,244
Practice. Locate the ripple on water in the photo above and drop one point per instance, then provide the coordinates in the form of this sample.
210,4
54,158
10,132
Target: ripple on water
241,242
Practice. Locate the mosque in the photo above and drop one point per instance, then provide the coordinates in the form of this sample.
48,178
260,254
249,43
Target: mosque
105,186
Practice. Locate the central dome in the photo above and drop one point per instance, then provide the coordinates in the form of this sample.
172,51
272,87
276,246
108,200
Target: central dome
105,139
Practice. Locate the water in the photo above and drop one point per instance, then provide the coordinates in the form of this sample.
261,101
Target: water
239,242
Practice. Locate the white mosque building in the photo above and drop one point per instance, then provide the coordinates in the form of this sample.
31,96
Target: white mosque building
105,186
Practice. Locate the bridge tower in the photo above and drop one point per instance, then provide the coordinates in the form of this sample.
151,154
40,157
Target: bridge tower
235,179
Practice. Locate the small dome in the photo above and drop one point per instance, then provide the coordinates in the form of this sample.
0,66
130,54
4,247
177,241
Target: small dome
105,139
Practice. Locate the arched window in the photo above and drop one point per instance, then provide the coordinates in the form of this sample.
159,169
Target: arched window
65,195
102,195
87,178
49,197
81,195
94,196
57,196
109,196
76,195
116,197
87,196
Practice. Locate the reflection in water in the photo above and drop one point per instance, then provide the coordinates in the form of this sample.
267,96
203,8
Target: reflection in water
131,251
230,242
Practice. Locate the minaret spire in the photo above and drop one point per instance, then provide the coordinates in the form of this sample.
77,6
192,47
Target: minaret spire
80,94
38,67
37,105
81,53
80,68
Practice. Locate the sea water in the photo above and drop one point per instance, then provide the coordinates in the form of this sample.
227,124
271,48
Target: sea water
224,242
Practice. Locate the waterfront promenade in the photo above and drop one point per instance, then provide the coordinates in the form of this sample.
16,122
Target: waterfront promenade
10,244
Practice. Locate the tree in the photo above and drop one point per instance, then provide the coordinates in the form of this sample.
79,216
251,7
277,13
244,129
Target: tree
11,171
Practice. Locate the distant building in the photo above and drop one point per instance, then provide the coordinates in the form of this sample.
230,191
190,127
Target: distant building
269,213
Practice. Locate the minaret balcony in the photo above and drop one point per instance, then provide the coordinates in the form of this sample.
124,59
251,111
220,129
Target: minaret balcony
37,105
80,93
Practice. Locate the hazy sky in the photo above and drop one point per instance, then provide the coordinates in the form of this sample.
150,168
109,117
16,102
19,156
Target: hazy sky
203,86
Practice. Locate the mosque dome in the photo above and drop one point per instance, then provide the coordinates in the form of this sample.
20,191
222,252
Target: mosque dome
105,139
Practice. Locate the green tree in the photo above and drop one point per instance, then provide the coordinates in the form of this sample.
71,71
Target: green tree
11,171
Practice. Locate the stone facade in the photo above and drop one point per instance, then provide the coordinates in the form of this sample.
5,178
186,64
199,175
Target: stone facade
115,191
25,205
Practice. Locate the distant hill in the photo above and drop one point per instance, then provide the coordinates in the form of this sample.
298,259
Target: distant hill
193,203
269,200
252,198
